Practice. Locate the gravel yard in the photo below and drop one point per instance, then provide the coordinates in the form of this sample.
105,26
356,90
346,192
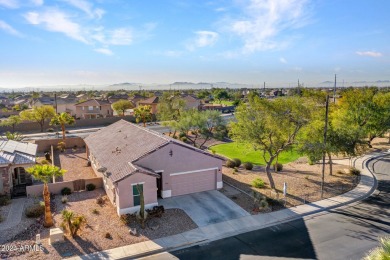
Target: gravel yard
75,162
4,213
303,183
104,220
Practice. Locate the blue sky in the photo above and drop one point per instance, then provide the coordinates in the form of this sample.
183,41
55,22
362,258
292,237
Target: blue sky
98,42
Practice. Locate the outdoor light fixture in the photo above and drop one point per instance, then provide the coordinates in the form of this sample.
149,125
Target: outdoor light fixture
170,153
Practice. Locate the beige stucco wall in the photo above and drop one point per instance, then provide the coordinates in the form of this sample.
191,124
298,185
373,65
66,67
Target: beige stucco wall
104,110
183,159
125,190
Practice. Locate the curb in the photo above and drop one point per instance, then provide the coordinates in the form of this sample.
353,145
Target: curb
110,253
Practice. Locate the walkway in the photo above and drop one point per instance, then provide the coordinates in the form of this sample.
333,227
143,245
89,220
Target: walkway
14,215
245,224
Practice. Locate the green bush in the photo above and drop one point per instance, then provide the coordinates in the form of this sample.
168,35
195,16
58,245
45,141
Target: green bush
50,130
4,200
237,162
230,164
248,166
354,171
278,166
35,211
45,161
258,183
90,186
183,139
66,191
181,135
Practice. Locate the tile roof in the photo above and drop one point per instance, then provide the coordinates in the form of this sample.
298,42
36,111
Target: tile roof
17,152
151,100
118,146
94,102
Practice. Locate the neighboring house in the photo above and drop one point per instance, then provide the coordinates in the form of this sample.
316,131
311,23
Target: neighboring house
117,97
152,102
67,105
4,101
15,157
191,102
93,108
126,154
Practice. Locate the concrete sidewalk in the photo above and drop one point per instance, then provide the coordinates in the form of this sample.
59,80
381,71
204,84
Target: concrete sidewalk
14,215
212,232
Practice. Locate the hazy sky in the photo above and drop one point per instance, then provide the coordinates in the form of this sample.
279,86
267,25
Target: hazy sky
54,42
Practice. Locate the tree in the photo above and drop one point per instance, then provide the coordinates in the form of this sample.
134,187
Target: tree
220,94
14,136
62,120
122,105
196,124
45,173
12,121
38,115
270,126
143,114
170,108
202,94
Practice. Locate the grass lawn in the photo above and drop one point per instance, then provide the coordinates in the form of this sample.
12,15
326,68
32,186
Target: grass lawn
224,102
247,154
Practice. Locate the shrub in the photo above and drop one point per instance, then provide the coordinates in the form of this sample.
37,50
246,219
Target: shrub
258,183
99,200
35,211
354,171
278,166
72,222
90,187
235,170
181,135
50,130
4,200
248,166
45,162
66,191
108,235
183,139
95,211
213,151
61,146
237,162
64,199
230,164
174,137
340,172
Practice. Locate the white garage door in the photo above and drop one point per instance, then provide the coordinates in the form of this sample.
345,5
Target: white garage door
193,182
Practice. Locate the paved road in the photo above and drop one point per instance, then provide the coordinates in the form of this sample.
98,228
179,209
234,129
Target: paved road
344,233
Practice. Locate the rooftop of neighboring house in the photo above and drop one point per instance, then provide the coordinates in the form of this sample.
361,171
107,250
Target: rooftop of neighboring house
119,146
190,98
13,152
151,100
94,102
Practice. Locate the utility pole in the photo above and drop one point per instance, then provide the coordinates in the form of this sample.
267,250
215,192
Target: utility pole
55,101
334,89
324,152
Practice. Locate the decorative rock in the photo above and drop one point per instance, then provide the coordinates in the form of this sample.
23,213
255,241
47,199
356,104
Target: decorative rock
153,224
133,231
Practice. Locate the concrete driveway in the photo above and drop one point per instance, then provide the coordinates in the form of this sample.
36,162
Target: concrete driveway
205,208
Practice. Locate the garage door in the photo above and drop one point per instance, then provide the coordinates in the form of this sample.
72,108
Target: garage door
193,182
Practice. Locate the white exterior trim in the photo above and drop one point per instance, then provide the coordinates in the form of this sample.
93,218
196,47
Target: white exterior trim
134,209
195,171
133,184
166,194
219,184
159,171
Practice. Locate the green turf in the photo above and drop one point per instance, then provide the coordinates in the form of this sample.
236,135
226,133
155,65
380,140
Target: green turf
247,154
224,102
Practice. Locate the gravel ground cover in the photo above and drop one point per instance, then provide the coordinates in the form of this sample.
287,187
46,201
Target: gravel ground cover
75,162
4,212
103,219
303,184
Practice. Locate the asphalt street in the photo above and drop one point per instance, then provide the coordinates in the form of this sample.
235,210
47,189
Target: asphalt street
344,233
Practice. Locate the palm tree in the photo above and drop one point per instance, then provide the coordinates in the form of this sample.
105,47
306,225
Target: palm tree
143,114
45,173
62,120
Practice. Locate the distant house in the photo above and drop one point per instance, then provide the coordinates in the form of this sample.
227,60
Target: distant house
93,108
152,101
15,157
125,154
67,105
117,97
191,102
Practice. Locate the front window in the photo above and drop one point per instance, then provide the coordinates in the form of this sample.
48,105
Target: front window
136,194
90,108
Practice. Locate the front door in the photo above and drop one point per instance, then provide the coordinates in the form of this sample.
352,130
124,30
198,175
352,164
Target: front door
19,176
159,185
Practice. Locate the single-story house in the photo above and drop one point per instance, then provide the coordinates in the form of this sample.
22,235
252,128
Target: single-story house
15,157
125,154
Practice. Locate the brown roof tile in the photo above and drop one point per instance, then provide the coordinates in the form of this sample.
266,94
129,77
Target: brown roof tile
93,102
